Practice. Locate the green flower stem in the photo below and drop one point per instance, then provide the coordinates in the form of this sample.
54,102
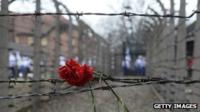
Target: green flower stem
119,99
100,75
118,106
93,98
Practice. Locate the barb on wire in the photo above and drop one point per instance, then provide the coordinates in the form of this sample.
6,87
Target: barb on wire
60,93
32,81
125,13
151,80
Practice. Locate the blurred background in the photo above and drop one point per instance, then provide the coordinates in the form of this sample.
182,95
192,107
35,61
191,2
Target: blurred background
34,46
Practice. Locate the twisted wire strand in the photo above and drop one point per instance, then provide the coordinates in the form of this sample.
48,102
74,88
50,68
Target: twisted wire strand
60,93
125,13
133,80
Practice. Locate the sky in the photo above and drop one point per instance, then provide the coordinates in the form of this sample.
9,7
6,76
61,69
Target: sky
138,6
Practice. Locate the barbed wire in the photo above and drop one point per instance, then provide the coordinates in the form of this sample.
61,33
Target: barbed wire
186,90
60,93
157,80
125,13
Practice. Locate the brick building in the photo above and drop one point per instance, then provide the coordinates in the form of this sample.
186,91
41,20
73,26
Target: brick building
87,45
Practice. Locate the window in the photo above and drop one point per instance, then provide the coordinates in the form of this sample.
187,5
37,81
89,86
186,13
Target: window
189,60
44,42
30,41
190,48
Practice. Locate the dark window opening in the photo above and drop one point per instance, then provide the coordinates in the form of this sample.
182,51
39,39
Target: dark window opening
189,58
190,48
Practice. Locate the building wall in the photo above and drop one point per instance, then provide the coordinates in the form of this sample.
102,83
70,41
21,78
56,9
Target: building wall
168,59
87,46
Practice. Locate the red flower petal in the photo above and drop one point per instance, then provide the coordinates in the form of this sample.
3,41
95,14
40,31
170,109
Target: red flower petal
72,64
88,70
63,70
87,76
75,74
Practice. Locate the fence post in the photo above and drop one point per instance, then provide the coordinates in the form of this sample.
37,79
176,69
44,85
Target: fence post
70,29
37,57
57,39
192,97
4,52
181,34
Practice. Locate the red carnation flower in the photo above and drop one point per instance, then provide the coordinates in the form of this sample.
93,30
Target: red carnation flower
75,74
87,75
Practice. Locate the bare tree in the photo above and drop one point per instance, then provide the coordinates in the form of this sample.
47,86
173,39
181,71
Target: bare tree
155,19
162,6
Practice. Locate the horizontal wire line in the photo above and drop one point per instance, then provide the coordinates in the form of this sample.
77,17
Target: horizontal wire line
59,93
132,80
56,93
125,13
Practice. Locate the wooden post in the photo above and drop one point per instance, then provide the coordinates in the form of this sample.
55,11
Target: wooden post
172,26
57,39
37,57
194,98
172,12
4,53
181,34
170,53
70,36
